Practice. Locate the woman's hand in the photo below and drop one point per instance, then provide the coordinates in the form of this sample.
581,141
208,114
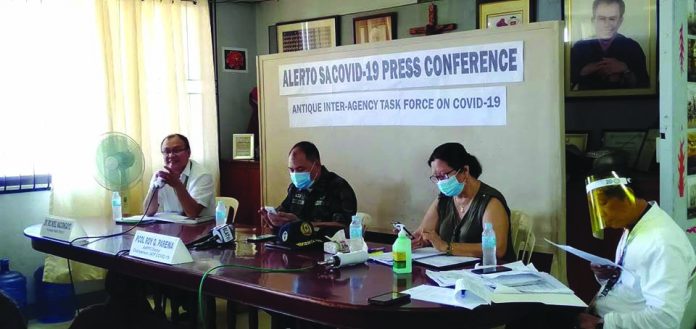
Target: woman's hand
435,240
418,240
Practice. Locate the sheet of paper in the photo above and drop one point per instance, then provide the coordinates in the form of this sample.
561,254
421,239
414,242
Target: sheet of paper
166,217
584,255
441,295
387,258
471,287
548,299
444,260
445,278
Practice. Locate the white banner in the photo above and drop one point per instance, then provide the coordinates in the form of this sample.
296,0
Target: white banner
485,106
488,63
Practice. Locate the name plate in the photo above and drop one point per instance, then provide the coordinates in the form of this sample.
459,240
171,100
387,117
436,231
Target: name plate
60,228
159,248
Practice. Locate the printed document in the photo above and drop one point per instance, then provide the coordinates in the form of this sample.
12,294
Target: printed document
585,255
387,258
166,217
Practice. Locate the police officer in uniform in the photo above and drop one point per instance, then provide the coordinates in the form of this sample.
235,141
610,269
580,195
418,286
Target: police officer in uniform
316,194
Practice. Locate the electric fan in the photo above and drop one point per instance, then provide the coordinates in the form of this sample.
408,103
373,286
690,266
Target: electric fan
119,162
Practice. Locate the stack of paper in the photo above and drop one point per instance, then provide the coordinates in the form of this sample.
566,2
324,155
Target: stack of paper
387,258
166,217
522,284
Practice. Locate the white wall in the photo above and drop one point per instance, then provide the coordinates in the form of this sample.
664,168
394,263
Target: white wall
17,211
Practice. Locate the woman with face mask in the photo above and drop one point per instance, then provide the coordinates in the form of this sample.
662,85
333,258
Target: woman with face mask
454,221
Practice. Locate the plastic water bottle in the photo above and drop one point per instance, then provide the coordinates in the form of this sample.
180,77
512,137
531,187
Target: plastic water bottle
13,283
220,214
116,210
355,227
401,253
488,245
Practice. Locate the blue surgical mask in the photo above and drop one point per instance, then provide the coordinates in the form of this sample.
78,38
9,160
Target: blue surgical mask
303,179
450,186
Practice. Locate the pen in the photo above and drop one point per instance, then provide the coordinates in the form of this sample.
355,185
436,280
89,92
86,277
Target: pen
398,225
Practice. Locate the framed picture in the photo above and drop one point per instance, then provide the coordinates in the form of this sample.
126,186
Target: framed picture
691,152
242,146
502,13
629,142
611,49
374,28
235,59
577,139
306,35
691,197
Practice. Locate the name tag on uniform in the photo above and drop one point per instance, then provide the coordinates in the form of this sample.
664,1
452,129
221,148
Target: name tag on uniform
159,248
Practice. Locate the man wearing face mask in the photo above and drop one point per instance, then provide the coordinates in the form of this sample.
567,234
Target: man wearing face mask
315,194
454,221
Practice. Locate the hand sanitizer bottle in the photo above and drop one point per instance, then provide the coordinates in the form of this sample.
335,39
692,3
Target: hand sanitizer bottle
401,251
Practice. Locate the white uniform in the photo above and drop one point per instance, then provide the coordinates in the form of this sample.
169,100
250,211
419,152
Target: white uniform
199,184
660,260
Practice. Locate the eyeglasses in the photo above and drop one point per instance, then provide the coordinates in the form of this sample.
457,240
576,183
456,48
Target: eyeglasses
436,178
174,151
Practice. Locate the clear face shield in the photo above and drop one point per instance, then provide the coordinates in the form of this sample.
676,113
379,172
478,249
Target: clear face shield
599,190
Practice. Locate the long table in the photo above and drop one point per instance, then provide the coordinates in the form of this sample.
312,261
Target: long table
336,298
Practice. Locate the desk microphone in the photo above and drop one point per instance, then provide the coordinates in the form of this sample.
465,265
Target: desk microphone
220,235
223,234
347,259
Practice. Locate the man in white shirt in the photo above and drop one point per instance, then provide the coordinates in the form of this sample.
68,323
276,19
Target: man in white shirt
652,288
187,187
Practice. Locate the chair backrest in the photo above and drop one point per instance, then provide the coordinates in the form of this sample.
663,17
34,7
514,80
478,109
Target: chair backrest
11,317
689,320
523,238
366,220
232,204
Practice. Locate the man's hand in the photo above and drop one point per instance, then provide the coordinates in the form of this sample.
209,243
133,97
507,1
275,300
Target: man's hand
277,220
610,66
587,321
170,178
265,221
592,68
435,240
604,272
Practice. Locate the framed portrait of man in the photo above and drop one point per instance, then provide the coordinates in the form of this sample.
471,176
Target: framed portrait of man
611,48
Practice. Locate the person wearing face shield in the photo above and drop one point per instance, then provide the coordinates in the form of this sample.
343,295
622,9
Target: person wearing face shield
454,221
610,60
651,287
315,194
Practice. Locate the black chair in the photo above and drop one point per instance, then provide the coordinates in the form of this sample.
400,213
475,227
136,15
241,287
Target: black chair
12,317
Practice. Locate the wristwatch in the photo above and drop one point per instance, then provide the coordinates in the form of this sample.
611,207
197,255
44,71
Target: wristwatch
449,248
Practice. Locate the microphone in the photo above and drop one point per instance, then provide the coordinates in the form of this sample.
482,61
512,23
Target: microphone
219,236
347,259
159,183
223,234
